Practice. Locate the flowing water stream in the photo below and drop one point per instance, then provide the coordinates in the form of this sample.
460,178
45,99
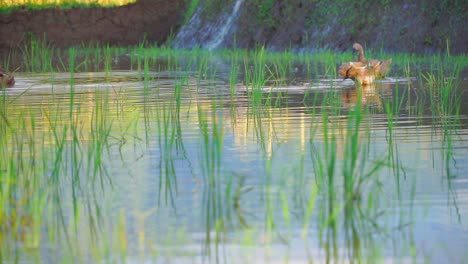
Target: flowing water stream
209,35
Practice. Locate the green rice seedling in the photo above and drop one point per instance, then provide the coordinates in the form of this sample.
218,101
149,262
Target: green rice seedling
393,109
233,78
255,75
310,208
84,53
167,170
170,140
240,190
100,132
269,201
212,142
211,146
393,153
38,55
107,60
203,70
281,67
137,56
147,98
443,91
356,174
179,89
76,163
96,170
324,169
91,57
7,61
222,192
445,102
418,109
343,169
23,196
260,115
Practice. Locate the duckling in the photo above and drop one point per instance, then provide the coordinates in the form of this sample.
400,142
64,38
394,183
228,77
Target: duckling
6,80
384,65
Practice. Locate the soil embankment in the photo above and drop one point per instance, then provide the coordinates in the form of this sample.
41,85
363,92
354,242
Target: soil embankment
423,26
152,20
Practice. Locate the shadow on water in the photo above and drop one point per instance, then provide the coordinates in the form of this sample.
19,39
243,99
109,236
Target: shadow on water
257,159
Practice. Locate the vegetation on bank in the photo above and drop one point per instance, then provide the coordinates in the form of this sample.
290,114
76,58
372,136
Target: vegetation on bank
7,6
273,13
416,26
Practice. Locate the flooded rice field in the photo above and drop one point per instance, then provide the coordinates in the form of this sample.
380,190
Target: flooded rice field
149,166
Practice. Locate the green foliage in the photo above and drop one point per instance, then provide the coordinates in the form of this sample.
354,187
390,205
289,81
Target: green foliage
38,55
191,8
33,6
264,8
212,8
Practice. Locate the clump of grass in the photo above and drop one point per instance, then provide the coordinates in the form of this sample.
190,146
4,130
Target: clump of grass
212,140
443,91
38,55
344,169
442,86
192,7
256,76
22,191
167,141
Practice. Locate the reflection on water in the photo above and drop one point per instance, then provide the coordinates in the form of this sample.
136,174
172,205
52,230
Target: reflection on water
175,168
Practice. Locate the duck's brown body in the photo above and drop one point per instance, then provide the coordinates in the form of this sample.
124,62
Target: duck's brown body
363,71
359,72
6,80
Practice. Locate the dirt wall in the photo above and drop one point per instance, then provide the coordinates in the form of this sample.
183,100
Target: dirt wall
422,26
126,25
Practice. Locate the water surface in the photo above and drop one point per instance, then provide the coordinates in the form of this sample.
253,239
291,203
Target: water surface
174,167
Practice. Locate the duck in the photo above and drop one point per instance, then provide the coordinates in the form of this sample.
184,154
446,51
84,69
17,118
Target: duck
359,72
384,65
6,79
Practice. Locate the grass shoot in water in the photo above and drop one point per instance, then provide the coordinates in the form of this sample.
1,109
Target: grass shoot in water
38,55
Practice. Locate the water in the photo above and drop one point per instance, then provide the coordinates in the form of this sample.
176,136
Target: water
209,34
146,176
223,31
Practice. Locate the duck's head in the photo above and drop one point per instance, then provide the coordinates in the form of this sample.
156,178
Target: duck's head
357,47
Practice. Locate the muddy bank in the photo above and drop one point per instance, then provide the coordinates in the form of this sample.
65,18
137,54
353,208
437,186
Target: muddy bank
421,26
126,25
